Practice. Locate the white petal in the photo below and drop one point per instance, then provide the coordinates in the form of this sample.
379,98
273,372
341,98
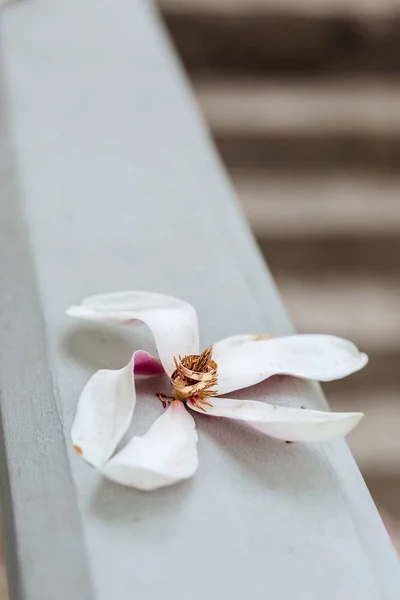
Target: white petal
172,322
166,454
245,360
105,409
289,424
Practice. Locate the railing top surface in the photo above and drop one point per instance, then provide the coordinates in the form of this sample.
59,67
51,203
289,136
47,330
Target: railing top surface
110,182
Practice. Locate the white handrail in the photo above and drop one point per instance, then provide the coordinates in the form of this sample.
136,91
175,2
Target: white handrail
110,182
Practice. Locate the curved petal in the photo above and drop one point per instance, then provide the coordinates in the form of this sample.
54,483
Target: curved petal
288,424
105,408
245,360
172,322
166,454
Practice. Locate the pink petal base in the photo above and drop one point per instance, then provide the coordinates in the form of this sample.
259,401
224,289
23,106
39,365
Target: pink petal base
146,365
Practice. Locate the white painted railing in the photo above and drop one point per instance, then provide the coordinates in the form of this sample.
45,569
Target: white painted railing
109,181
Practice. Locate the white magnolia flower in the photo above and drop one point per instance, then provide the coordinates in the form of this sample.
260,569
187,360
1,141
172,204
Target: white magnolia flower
167,453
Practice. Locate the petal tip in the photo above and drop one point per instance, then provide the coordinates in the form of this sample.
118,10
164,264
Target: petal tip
356,418
349,421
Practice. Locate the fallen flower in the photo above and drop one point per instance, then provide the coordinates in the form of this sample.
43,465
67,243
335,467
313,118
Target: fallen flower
167,452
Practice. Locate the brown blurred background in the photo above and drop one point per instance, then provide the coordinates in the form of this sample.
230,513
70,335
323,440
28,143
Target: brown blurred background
303,98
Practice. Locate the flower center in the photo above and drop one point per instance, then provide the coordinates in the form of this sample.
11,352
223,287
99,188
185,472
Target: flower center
195,378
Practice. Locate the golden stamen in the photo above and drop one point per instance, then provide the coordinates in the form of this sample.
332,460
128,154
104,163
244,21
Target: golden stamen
195,377
203,360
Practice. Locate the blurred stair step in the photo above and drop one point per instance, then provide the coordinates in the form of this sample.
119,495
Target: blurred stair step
286,35
304,123
360,254
315,206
